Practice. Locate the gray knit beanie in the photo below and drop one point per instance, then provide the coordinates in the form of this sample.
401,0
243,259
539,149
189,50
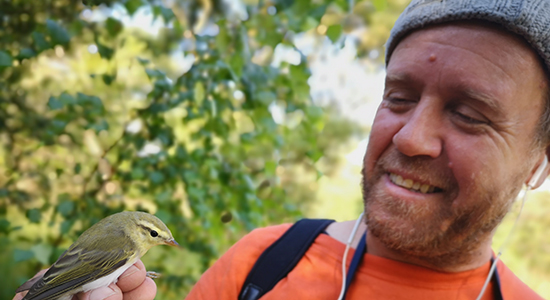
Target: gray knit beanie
528,18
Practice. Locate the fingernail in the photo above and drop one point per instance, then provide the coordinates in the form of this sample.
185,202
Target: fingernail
101,293
131,270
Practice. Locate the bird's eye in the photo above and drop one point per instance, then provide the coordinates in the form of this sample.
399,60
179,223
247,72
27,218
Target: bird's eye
154,233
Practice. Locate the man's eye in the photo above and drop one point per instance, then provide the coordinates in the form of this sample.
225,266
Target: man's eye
470,120
397,102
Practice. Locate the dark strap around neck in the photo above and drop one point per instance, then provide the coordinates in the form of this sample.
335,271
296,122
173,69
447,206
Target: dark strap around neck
281,257
497,290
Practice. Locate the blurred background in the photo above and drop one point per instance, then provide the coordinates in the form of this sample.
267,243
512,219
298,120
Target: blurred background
218,116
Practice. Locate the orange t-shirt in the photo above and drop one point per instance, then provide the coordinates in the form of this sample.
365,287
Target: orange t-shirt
318,275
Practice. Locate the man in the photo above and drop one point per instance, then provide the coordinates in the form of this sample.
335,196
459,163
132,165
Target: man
459,131
461,128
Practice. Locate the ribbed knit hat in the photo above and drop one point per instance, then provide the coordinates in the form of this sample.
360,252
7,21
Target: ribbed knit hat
528,18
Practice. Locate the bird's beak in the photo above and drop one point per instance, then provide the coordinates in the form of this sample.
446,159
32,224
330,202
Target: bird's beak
172,242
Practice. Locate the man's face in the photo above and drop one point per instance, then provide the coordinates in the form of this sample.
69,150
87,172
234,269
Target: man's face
452,141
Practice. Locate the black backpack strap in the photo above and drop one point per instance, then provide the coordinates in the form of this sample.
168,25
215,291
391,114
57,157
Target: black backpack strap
281,257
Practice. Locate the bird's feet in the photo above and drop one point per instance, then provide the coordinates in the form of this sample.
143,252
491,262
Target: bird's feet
152,275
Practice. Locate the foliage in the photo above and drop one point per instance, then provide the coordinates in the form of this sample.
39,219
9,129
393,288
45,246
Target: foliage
98,117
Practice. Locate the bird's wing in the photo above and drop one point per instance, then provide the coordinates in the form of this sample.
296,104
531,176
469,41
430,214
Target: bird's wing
75,268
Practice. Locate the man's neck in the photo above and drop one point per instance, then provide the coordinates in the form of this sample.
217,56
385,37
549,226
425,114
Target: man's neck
456,262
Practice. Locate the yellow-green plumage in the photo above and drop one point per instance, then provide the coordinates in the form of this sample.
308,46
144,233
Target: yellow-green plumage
100,255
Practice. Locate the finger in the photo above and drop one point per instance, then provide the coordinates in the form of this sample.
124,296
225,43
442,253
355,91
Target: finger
146,291
20,296
132,278
27,285
111,292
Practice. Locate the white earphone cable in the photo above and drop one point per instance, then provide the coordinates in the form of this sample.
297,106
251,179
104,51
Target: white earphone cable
504,245
345,258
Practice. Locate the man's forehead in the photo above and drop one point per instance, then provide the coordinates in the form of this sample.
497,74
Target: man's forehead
468,34
529,19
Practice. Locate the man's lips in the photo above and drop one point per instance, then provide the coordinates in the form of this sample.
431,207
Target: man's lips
410,184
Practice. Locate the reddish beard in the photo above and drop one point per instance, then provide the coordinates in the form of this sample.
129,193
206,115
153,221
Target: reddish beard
439,232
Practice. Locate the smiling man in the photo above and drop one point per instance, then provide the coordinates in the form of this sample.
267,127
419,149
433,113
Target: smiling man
463,125
452,143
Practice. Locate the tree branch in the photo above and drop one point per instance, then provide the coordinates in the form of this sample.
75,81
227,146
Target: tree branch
105,152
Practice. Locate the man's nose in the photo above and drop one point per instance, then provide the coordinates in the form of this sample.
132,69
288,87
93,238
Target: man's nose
421,133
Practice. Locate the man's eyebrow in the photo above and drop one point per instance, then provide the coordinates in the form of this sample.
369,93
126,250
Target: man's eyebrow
399,78
483,99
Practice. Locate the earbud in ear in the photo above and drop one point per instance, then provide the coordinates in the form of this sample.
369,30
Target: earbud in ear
538,173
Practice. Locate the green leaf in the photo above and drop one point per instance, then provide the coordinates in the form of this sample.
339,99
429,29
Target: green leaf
65,206
42,252
380,5
58,34
4,226
164,215
58,126
108,79
153,73
236,62
99,126
165,12
66,226
270,167
143,61
67,99
222,39
77,168
104,51
195,193
319,174
266,97
310,23
92,104
94,2
319,12
334,32
156,177
54,103
315,155
132,6
199,93
34,215
164,197
26,53
22,255
39,42
114,26
137,173
5,59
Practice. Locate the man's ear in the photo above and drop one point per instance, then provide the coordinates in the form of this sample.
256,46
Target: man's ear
540,173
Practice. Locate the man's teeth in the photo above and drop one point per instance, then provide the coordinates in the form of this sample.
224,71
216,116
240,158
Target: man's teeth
410,184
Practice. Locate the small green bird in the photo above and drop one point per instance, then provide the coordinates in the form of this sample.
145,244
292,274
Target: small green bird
99,256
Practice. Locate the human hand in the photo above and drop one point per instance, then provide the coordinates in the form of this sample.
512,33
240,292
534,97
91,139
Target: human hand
131,285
